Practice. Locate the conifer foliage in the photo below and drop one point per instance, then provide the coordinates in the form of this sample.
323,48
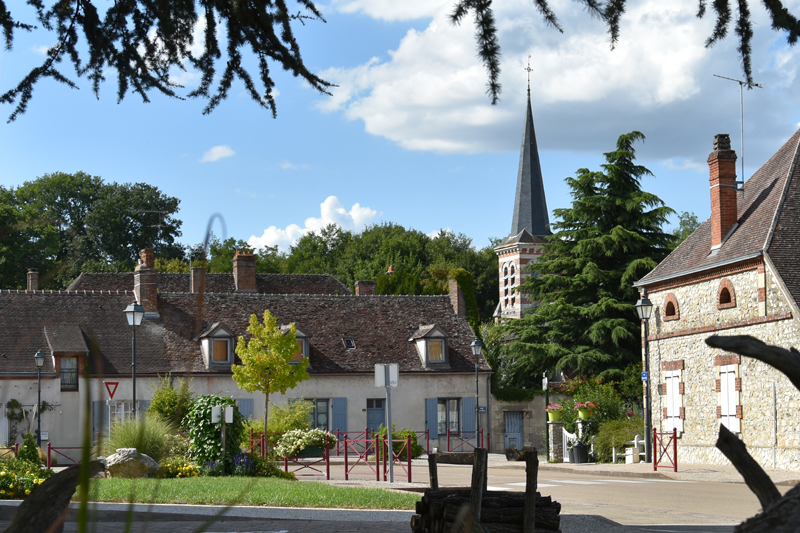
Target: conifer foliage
585,321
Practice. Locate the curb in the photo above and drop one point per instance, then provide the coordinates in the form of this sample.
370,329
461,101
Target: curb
271,513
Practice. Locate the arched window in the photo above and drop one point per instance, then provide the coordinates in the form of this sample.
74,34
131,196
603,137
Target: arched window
726,296
671,310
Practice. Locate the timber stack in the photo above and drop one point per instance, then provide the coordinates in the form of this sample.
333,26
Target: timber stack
502,512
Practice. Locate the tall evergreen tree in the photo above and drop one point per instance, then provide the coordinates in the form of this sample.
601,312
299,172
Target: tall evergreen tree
612,235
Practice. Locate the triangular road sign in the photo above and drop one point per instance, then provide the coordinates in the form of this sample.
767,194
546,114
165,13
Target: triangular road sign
111,387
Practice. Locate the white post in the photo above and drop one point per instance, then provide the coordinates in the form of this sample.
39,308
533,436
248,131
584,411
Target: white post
389,423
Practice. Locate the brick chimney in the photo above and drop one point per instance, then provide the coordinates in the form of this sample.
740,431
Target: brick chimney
198,280
457,298
145,283
33,279
365,288
244,271
722,175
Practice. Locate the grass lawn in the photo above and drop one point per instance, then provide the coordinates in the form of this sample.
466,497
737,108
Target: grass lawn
247,491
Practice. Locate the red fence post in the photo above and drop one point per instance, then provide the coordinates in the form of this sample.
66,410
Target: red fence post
346,472
675,448
327,459
387,449
48,455
377,461
408,454
337,442
16,449
285,464
655,453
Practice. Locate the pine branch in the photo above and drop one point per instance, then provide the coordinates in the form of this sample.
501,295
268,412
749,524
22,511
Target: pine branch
486,37
783,20
723,10
744,29
613,14
548,14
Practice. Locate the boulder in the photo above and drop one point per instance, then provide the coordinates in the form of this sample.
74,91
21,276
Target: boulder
129,463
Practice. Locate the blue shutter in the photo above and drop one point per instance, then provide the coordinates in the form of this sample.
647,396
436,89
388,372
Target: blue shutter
339,418
99,418
245,406
468,416
431,412
143,405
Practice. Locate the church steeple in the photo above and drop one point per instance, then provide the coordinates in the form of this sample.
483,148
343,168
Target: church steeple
530,205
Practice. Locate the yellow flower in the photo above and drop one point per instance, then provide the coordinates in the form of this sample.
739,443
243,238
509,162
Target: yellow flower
2,473
2,492
27,492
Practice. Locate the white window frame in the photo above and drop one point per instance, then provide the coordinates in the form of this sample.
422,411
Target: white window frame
674,401
729,397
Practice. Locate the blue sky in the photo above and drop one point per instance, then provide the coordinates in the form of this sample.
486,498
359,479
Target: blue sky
409,136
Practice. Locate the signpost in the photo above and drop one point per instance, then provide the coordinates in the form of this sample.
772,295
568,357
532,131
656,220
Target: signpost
386,376
111,387
216,417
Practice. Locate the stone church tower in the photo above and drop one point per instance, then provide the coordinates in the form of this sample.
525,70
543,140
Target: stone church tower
530,226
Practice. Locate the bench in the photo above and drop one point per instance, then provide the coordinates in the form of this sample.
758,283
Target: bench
632,450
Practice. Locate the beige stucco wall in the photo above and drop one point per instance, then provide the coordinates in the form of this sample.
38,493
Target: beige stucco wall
773,441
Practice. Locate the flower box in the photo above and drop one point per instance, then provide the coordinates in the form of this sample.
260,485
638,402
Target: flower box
554,416
312,451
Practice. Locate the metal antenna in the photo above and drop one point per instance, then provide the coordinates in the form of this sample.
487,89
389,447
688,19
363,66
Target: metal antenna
529,69
160,220
741,112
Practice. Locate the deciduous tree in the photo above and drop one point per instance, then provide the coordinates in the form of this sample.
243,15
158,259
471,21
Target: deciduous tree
266,357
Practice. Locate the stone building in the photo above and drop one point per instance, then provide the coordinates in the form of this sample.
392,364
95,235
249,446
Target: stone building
737,274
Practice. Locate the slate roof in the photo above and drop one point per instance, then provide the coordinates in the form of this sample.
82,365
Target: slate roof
523,237
771,192
381,326
218,283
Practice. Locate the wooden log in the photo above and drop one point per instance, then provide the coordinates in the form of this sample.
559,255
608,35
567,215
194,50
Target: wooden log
546,518
433,473
531,478
757,480
478,482
783,515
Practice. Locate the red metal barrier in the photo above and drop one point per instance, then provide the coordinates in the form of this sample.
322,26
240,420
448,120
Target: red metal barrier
661,450
427,434
9,449
463,440
311,464
363,457
406,468
259,444
51,449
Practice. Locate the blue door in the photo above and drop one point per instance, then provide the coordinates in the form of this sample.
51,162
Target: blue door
513,429
376,414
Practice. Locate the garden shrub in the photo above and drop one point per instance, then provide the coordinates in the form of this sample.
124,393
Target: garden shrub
253,465
18,477
399,447
282,418
177,466
610,406
170,403
29,451
615,433
297,440
150,435
205,443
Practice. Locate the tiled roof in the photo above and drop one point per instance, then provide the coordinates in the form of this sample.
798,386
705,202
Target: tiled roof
265,283
523,237
784,246
757,208
381,326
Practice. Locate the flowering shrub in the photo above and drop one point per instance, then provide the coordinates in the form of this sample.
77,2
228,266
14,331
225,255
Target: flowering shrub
590,405
554,407
18,478
296,440
177,466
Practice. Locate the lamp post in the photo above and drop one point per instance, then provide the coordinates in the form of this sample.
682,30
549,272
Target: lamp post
643,308
38,358
546,389
477,350
134,313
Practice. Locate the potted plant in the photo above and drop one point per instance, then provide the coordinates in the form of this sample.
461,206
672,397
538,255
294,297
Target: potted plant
585,409
305,443
554,411
578,452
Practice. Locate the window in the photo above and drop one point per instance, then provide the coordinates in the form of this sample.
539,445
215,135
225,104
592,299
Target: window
726,296
69,374
670,309
375,403
220,350
300,353
319,414
349,343
447,415
672,412
436,351
728,387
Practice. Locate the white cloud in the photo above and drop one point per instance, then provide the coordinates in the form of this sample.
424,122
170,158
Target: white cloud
217,153
286,165
435,233
430,93
331,212
42,49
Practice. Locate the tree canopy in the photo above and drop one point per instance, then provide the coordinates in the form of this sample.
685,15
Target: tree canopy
65,224
611,236
611,12
145,41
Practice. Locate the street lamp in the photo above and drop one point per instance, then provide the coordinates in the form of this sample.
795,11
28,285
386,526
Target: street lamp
134,313
644,307
477,350
38,358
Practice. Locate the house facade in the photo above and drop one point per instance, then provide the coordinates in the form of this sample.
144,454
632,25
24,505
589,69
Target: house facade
191,326
737,274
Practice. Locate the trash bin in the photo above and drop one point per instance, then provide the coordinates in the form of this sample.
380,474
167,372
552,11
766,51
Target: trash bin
579,453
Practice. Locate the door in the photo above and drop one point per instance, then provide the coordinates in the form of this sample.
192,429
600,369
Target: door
376,415
513,429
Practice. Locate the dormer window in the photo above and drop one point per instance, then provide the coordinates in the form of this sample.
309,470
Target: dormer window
349,343
217,343
302,344
431,343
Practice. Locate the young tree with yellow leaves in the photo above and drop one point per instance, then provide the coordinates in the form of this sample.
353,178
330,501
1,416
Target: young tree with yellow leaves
267,360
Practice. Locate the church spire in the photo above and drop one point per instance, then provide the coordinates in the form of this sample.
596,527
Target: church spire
530,205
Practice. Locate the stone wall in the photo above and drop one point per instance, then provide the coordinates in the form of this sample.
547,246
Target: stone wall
534,421
774,441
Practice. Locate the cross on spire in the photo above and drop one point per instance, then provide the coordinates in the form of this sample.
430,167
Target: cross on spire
529,69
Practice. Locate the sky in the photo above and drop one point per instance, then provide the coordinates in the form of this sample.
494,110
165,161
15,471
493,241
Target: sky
409,135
